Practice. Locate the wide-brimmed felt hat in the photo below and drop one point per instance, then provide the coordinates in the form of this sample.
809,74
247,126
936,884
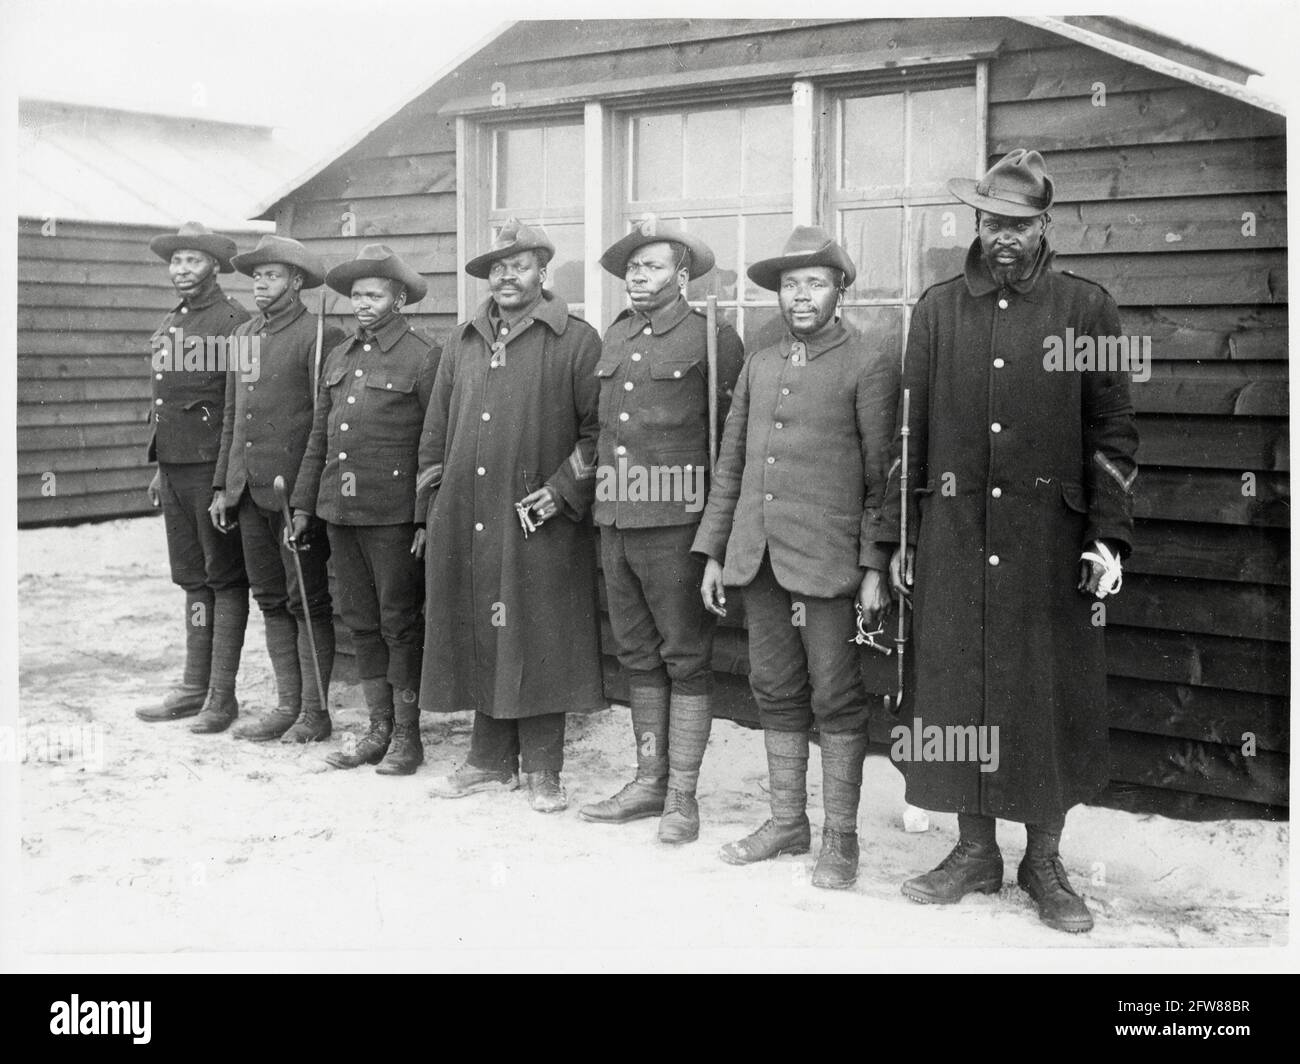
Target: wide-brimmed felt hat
272,248
512,238
377,260
650,230
809,245
195,236
1016,185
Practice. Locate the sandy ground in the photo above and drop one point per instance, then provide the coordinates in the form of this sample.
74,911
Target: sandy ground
164,842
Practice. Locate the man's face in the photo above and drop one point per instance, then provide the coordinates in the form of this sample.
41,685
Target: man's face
808,298
190,270
272,280
374,297
516,282
1009,245
652,277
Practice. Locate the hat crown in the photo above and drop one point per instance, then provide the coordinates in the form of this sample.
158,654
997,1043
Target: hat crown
1020,176
807,240
513,232
194,229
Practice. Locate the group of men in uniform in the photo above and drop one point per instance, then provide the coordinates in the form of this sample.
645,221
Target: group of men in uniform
472,480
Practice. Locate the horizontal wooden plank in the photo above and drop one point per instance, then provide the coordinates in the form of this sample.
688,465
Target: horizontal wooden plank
62,247
76,460
1212,497
1211,552
85,389
1179,115
127,233
84,437
75,320
81,367
1180,805
1200,660
1206,278
1203,442
405,175
1075,70
93,297
1213,607
429,253
1245,333
1201,713
67,483
1201,768
372,219
1143,171
70,509
1248,389
1175,225
148,275
82,343
101,412
409,132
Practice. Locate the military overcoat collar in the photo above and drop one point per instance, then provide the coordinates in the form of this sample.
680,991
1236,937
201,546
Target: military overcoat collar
550,310
280,318
810,347
980,282
214,296
662,320
388,333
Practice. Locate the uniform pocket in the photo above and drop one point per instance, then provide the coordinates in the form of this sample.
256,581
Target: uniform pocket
387,383
605,370
671,371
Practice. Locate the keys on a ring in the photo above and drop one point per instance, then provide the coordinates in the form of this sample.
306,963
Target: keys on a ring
868,639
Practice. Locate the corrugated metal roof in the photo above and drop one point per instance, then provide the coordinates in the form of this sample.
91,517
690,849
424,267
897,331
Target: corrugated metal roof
88,163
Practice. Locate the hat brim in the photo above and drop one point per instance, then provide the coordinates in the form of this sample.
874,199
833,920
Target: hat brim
766,273
481,264
614,260
342,277
966,189
221,248
313,276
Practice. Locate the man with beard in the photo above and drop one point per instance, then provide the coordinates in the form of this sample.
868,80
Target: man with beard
1023,478
507,476
793,519
264,435
189,394
358,475
654,425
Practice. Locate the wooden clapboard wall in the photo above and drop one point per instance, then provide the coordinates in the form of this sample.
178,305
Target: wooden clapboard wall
90,295
1155,192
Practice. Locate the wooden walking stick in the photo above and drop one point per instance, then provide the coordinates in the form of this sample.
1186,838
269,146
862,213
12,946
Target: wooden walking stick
320,342
900,638
711,349
282,497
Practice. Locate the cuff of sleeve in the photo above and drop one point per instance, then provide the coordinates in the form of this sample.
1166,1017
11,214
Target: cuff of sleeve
872,556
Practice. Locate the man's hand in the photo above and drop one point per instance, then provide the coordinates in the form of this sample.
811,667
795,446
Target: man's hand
898,580
873,597
542,502
417,544
154,490
711,590
297,535
217,512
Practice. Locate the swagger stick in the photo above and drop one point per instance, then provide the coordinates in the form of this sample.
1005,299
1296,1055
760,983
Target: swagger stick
711,350
283,498
900,639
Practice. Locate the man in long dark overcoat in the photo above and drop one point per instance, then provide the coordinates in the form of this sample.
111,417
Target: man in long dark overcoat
1021,471
506,481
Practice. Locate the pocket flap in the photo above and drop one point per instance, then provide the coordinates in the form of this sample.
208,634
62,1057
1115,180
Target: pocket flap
668,371
390,384
606,369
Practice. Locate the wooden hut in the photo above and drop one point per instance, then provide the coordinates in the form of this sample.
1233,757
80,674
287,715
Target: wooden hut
94,185
1171,191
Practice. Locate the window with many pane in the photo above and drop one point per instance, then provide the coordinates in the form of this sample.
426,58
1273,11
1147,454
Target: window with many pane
895,149
537,177
722,173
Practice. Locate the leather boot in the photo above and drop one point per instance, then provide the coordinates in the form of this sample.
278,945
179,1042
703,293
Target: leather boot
229,621
689,719
1042,876
313,724
842,757
282,649
974,864
187,698
406,751
546,793
371,747
644,796
468,780
788,831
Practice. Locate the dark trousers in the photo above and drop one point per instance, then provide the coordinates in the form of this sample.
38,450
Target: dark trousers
801,672
200,556
537,742
381,590
269,563
660,624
